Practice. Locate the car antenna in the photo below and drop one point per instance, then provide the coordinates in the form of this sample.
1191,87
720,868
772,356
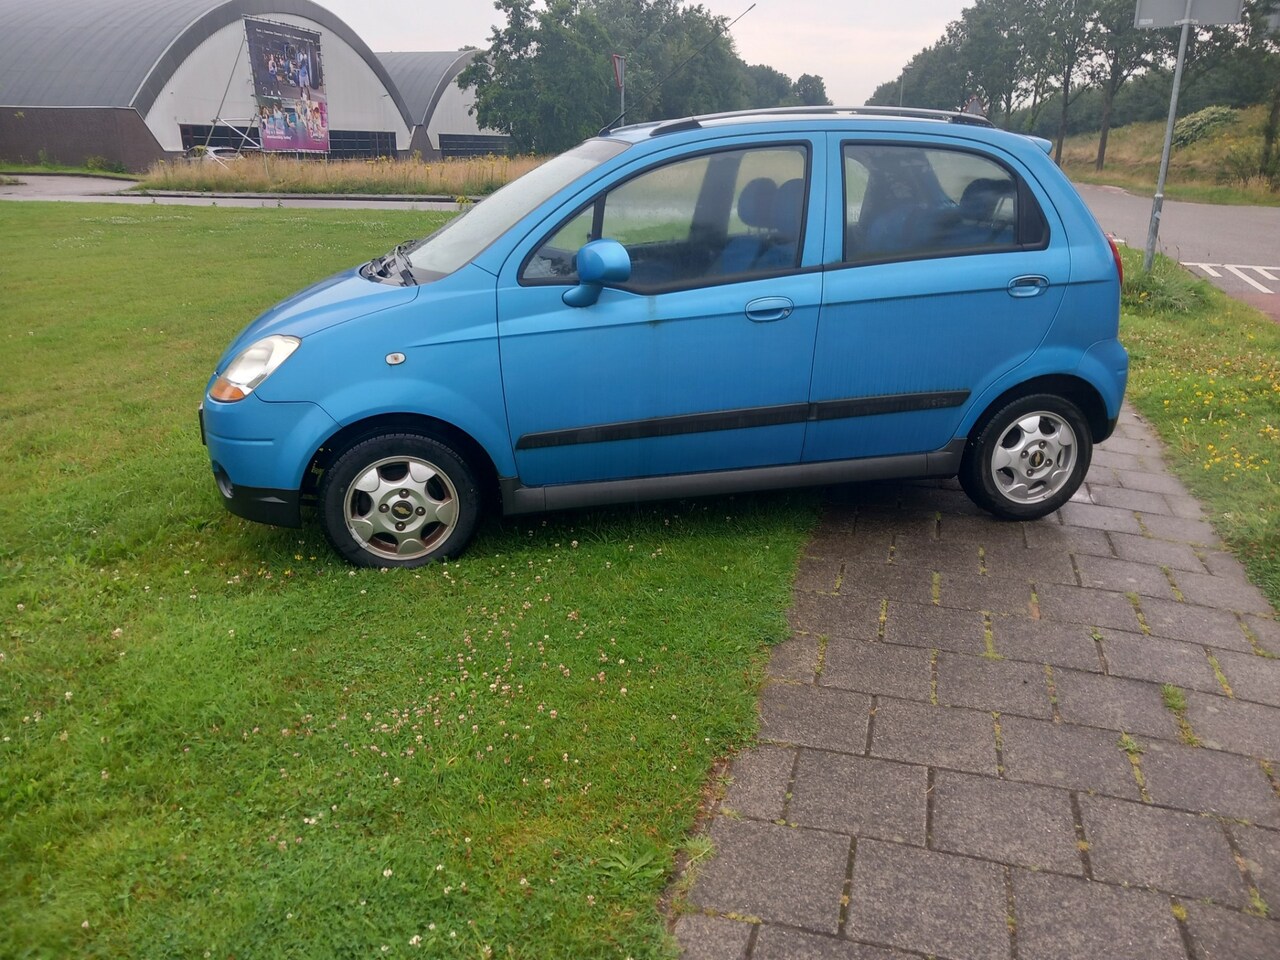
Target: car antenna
608,127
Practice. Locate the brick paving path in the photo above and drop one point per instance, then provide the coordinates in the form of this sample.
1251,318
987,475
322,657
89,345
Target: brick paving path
1003,741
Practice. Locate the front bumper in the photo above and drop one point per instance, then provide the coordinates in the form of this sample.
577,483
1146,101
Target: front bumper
280,508
259,453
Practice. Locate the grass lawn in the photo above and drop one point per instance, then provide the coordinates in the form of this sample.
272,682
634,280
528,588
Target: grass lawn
37,168
1205,370
215,739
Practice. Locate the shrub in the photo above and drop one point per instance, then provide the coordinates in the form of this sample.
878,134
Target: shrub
1241,162
1202,124
102,163
1168,288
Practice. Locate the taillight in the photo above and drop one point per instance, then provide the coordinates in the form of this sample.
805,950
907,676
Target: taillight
1115,253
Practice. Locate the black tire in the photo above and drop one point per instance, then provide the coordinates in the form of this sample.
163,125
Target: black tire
399,500
1028,458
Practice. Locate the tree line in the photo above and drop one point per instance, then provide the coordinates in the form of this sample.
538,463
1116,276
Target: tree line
1055,67
547,78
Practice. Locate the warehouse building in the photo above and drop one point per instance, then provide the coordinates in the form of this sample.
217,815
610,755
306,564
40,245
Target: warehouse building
134,81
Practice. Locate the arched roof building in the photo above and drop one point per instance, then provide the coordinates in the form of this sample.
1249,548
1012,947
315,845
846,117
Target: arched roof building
136,80
443,125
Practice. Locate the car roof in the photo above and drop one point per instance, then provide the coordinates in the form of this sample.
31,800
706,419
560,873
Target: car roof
773,114
901,119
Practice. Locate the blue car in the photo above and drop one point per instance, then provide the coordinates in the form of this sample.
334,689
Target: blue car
723,303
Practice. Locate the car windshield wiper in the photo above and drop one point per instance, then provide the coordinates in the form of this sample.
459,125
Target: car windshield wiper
395,263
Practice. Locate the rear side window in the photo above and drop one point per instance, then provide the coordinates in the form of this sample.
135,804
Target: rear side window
705,219
907,202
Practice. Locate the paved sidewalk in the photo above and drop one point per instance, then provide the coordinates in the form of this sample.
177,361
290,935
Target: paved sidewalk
994,740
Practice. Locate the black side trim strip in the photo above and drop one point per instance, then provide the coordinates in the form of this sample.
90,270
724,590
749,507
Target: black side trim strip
669,426
744,419
894,403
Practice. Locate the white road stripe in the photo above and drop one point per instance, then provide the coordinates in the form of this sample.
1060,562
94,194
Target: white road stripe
1237,271
1206,267
1240,272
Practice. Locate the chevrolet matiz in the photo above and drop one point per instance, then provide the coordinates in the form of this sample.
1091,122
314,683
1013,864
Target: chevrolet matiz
723,303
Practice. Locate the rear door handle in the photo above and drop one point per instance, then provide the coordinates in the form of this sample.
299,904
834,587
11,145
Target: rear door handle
1028,286
768,309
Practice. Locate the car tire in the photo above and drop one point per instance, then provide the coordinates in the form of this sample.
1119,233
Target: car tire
1028,458
399,500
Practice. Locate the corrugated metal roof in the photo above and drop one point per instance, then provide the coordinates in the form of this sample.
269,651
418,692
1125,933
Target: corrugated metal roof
121,53
422,78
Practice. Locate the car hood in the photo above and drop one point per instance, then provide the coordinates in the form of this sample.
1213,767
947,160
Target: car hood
344,296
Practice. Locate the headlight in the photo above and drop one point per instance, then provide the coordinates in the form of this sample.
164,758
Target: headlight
251,366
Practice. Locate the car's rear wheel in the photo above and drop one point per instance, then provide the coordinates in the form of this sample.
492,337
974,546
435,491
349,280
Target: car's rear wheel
1028,458
399,500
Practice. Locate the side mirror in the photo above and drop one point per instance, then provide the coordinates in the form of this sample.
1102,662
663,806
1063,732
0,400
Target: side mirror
600,262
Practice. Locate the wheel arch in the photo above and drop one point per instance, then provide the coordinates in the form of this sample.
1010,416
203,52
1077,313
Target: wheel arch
466,446
1079,391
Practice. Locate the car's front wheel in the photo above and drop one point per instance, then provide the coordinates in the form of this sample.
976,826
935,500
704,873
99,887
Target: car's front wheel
1028,458
399,500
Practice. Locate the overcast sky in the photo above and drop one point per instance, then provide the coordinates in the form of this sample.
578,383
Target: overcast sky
854,45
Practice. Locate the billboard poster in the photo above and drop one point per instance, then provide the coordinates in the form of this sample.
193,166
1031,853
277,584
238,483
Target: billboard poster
288,86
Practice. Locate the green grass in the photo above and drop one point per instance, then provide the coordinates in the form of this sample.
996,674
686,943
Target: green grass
1206,373
19,168
216,738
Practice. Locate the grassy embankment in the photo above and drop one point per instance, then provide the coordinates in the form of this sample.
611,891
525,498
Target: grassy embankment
1207,171
214,737
271,174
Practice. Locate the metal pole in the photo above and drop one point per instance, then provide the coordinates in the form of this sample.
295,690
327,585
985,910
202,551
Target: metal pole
623,88
1158,203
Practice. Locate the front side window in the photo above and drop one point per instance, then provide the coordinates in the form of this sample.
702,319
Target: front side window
464,237
906,202
705,219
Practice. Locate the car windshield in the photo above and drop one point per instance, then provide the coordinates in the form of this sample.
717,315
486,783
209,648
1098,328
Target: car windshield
461,239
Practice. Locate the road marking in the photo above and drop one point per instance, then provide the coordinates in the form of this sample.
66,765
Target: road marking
1207,268
1237,270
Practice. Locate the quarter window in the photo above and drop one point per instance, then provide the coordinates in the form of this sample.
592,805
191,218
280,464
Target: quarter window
706,219
906,202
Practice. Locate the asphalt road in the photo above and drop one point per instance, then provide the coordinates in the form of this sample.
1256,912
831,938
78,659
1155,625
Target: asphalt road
1237,248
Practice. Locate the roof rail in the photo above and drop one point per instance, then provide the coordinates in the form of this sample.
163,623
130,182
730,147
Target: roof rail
909,113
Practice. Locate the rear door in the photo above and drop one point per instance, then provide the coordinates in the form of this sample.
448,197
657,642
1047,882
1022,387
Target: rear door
948,269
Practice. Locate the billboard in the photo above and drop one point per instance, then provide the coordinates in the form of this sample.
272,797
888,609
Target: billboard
288,85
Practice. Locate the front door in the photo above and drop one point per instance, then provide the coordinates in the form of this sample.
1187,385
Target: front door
701,361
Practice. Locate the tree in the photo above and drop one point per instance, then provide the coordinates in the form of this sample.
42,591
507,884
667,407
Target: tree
1121,50
811,91
1069,26
548,82
764,86
992,42
1262,25
934,79
543,80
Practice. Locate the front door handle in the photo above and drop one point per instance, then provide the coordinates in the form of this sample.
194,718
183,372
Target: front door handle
768,309
1028,286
